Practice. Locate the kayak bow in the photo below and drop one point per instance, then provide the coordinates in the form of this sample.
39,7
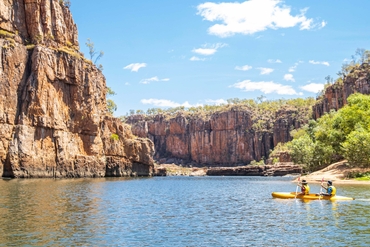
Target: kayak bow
293,195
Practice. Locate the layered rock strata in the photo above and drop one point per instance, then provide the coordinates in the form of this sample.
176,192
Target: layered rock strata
227,138
53,112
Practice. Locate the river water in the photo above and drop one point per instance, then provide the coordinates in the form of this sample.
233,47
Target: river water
177,211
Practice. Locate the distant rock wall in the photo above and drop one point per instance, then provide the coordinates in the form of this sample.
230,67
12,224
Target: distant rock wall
53,113
222,139
335,96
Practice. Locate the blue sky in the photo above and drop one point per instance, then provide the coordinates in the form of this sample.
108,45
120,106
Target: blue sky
168,53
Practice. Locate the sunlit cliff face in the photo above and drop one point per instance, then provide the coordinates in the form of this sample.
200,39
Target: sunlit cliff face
226,138
53,111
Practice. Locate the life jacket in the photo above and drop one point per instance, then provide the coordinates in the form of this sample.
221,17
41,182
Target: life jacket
332,190
305,189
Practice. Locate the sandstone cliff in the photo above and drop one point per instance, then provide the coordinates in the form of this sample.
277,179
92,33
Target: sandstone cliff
53,116
234,137
335,96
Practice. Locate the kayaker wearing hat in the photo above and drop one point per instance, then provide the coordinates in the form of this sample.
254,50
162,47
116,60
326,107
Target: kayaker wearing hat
330,189
305,189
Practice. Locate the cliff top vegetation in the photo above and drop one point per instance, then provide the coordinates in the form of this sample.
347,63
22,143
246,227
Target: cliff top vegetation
350,71
262,111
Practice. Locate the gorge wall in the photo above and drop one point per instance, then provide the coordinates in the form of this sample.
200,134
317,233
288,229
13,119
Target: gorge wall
53,113
233,137
226,138
335,96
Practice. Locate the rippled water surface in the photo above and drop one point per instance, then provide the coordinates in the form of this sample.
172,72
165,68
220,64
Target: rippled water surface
177,211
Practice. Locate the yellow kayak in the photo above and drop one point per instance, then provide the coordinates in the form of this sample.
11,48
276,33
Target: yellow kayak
293,195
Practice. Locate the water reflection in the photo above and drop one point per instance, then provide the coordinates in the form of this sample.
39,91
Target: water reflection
176,211
50,212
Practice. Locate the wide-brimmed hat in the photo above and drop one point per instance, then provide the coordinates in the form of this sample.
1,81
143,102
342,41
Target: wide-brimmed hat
304,181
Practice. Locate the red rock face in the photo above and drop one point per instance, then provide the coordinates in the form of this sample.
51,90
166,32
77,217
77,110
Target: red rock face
39,21
335,96
223,139
53,109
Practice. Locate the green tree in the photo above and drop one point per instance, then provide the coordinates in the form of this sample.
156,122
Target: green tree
361,56
326,133
111,105
93,52
302,150
357,111
315,155
356,148
329,79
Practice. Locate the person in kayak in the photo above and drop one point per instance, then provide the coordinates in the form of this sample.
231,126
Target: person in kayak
330,189
305,188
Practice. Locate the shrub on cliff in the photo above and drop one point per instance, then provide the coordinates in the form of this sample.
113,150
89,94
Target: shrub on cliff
357,67
111,105
66,3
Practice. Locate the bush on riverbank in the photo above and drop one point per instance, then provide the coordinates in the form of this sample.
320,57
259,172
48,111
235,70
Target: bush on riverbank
344,134
360,176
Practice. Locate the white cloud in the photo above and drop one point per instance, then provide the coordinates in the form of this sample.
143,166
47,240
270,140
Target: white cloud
289,77
208,50
216,101
244,67
306,25
127,84
194,58
323,24
166,103
266,71
265,87
317,62
294,67
135,66
205,51
313,87
251,16
153,79
274,61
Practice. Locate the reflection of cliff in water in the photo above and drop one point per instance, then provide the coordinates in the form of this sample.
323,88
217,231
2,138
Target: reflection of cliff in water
46,210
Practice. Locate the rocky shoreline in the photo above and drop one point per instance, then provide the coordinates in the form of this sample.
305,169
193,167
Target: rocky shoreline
338,173
279,169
